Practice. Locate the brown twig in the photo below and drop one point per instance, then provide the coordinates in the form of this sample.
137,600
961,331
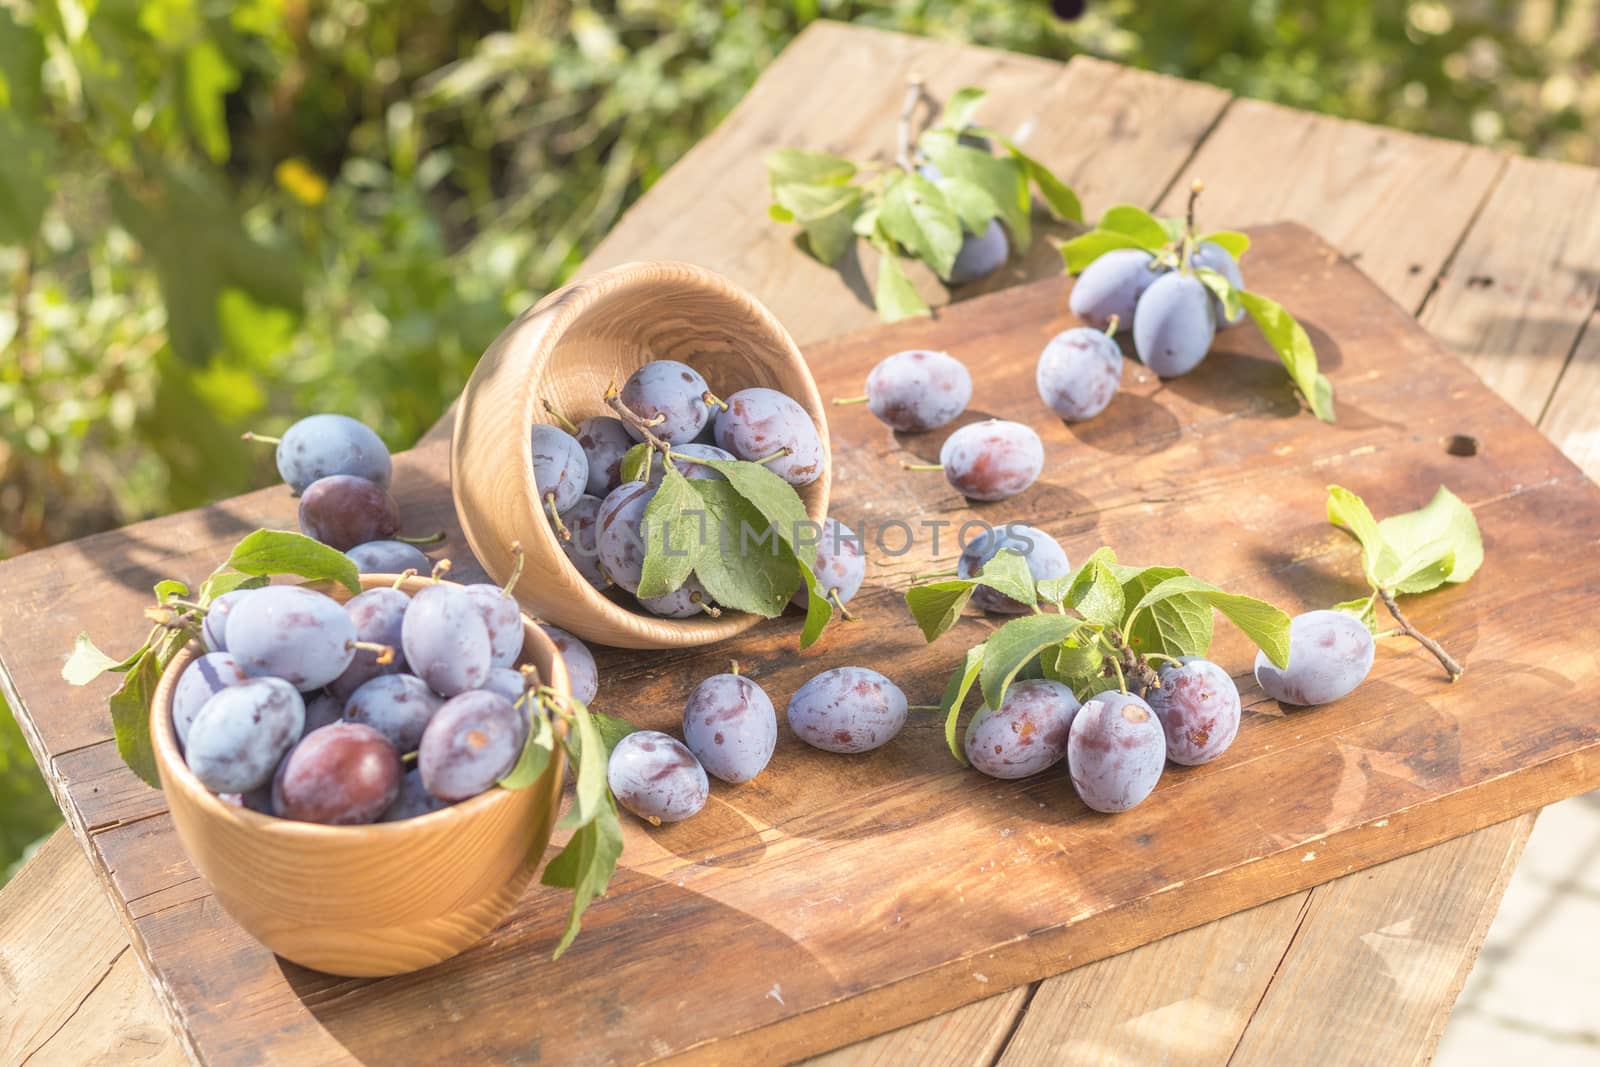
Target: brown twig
1448,661
903,127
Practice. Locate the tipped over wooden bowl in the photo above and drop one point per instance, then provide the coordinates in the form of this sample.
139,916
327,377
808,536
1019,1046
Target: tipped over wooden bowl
365,901
566,350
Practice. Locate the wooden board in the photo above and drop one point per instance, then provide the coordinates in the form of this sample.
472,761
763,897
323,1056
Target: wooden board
835,898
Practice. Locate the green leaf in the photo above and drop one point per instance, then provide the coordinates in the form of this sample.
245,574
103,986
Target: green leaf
208,78
634,466
1233,242
1086,248
1007,573
1444,519
675,531
1351,512
1057,194
88,663
916,215
589,752
866,220
1096,594
586,865
750,569
612,730
962,105
1364,609
786,165
771,496
170,587
130,718
1137,223
1002,178
895,297
819,609
536,751
1427,570
1288,338
1014,646
268,552
808,202
955,694
225,581
975,207
1264,624
830,236
937,605
1219,284
779,213
1174,626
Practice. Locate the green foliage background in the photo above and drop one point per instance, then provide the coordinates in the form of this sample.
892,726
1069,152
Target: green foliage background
216,215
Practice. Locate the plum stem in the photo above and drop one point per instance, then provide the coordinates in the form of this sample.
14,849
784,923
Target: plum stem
841,401
517,558
1453,668
923,707
613,400
713,400
922,466
174,602
261,438
400,579
566,423
710,609
440,569
385,652
1122,682
779,454
427,539
409,757
733,666
833,598
1111,326
903,124
1196,187
555,516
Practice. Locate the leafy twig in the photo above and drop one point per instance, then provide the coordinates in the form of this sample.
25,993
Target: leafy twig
903,125
1445,659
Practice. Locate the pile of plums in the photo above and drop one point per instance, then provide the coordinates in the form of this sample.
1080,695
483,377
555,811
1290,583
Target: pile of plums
730,729
385,707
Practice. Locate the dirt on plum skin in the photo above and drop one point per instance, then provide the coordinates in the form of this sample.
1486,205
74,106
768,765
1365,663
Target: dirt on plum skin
1115,751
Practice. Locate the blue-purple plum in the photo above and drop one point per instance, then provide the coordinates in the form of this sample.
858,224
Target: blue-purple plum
582,673
240,734
560,468
389,557
673,392
506,682
1212,255
445,640
841,564
343,511
502,618
992,460
344,774
730,726
657,778
1174,325
620,542
918,389
398,706
1115,751
1198,706
1079,371
293,633
470,743
201,680
583,522
604,440
1330,654
688,601
981,254
1112,286
1045,557
320,445
1027,734
377,615
760,422
847,709
412,799
214,630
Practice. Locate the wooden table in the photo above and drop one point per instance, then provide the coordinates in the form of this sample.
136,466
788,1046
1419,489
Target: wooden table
1500,259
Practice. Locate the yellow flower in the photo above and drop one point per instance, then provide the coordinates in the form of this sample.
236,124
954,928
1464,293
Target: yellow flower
297,179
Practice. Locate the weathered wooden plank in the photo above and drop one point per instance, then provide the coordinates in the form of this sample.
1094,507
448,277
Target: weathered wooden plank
1376,972
1525,281
1393,202
1572,420
972,1035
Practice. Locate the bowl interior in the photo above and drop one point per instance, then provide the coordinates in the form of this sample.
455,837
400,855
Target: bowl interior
566,351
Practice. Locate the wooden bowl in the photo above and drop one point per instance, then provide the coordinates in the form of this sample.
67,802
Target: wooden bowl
365,901
567,349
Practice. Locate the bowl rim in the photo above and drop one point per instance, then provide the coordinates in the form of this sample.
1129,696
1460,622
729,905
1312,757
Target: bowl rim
542,328
174,773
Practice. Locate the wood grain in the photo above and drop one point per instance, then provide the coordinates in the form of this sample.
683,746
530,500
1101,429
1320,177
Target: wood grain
789,873
567,351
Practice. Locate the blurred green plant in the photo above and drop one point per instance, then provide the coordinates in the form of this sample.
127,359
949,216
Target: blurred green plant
218,215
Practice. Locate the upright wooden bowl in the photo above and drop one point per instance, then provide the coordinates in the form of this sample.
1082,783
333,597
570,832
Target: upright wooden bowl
365,901
567,349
